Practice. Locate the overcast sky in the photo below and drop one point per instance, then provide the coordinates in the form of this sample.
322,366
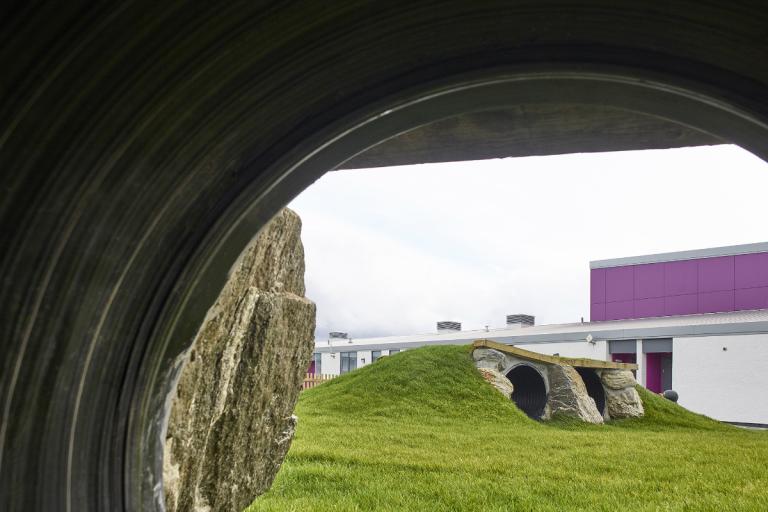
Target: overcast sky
392,251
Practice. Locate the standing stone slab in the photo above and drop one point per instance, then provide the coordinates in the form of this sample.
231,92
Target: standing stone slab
498,381
568,395
621,398
623,403
231,420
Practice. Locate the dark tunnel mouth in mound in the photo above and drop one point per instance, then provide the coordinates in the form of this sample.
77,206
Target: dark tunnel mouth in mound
594,387
530,392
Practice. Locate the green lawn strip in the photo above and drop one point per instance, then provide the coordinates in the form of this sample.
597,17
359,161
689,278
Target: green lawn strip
422,431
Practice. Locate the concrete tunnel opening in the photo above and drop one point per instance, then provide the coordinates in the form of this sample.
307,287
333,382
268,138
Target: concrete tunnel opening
594,387
530,391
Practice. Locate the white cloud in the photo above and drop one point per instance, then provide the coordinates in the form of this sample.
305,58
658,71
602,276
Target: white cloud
392,251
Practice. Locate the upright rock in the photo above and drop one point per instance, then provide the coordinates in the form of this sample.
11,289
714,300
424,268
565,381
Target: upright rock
231,421
498,381
568,395
621,398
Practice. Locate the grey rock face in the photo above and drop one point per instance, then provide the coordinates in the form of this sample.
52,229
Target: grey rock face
568,395
498,381
231,421
488,358
623,403
621,397
617,379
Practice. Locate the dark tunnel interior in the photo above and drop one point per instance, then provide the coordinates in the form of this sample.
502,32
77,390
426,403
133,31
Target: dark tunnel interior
594,387
530,392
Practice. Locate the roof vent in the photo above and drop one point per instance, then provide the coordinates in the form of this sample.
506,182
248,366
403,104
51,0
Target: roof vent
338,335
516,321
448,326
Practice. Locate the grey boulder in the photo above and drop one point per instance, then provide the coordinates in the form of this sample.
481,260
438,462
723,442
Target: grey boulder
568,395
617,379
231,420
498,381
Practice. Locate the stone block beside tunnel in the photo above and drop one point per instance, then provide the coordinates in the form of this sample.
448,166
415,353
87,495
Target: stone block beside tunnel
621,398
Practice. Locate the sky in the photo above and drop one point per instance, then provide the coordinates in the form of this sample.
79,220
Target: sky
391,251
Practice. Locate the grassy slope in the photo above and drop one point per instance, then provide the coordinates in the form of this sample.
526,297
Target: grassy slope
422,431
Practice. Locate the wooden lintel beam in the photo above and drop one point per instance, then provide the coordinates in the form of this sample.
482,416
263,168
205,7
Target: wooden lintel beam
543,358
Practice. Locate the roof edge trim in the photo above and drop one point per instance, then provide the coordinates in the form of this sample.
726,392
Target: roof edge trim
712,252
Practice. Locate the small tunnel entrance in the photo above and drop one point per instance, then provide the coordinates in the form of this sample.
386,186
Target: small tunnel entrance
530,392
594,387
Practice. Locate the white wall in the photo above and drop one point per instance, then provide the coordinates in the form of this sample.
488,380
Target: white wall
598,350
363,355
330,365
727,385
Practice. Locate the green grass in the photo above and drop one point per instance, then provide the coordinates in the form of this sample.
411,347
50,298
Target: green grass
421,431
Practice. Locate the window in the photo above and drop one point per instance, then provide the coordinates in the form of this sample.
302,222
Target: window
375,355
394,351
316,365
348,361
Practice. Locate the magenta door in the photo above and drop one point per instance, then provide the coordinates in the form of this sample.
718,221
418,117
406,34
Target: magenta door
658,373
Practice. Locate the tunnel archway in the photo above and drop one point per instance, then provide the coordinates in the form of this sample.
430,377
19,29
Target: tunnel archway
530,391
594,387
143,161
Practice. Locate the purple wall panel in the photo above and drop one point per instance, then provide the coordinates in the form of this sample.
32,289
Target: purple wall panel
681,277
751,298
619,284
751,270
597,312
646,308
681,304
715,302
597,285
619,310
716,274
706,285
649,281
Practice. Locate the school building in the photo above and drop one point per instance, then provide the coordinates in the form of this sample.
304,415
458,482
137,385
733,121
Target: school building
693,321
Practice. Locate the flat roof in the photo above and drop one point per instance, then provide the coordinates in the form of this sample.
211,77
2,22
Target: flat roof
709,324
712,252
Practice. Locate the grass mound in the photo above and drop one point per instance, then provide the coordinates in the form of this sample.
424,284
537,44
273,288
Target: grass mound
661,413
441,383
434,383
421,430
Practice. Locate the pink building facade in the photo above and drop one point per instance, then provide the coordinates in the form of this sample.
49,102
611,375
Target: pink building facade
715,280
